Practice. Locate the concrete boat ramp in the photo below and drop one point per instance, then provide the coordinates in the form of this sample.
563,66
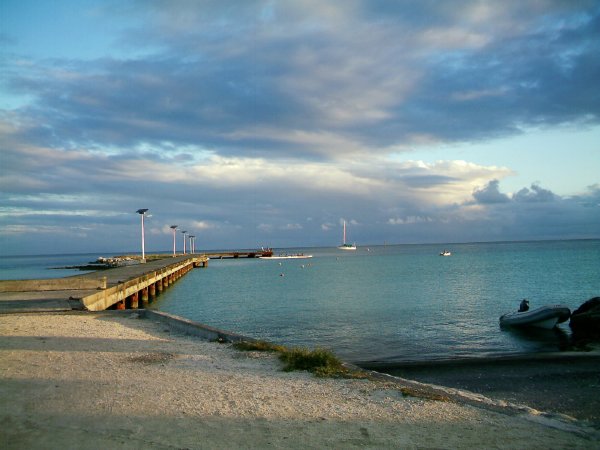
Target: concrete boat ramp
117,288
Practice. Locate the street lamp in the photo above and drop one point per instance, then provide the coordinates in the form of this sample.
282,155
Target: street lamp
192,244
184,233
142,212
174,227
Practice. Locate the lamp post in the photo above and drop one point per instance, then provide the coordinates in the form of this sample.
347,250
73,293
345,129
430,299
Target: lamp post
192,242
142,212
174,227
184,232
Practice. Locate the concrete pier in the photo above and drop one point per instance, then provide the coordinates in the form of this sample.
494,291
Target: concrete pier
240,254
121,287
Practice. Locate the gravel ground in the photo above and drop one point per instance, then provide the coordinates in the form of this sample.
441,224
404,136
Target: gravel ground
563,384
113,380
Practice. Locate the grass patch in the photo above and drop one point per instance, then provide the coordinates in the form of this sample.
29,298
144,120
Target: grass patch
321,362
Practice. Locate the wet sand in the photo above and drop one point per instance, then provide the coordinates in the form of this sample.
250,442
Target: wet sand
116,380
563,383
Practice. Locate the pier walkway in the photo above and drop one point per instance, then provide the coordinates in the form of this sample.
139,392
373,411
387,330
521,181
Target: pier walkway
121,287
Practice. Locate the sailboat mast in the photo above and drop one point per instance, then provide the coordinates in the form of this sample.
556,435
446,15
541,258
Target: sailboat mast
344,241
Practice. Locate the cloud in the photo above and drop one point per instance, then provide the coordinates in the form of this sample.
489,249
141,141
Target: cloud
535,194
409,220
300,86
202,225
490,194
291,227
327,226
534,213
239,125
592,197
265,227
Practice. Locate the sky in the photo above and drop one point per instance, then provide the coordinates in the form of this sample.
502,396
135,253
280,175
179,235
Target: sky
269,123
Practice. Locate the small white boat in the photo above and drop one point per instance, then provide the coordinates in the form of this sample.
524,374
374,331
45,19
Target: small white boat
446,253
345,246
298,256
544,317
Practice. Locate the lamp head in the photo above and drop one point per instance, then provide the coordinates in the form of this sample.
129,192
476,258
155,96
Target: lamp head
142,211
173,227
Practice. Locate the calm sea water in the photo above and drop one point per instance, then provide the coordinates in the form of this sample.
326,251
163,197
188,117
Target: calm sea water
42,266
392,303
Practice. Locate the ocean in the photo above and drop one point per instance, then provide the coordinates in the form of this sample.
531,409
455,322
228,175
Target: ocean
382,303
42,266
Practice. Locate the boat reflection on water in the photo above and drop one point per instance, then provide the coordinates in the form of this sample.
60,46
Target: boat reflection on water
555,338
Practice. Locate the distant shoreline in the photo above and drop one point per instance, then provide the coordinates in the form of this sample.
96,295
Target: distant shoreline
332,246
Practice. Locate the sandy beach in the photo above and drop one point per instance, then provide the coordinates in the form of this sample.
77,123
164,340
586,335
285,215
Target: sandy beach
116,380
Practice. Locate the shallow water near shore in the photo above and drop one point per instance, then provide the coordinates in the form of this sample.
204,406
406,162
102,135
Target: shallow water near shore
394,303
383,303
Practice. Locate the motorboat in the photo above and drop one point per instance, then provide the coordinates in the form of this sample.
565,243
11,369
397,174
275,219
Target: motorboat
543,317
446,253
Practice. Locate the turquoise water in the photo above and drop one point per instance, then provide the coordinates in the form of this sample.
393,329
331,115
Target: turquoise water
393,303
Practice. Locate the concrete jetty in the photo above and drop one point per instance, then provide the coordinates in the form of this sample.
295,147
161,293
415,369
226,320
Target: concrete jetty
121,287
240,254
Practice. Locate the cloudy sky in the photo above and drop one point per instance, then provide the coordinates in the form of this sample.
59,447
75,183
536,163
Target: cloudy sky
252,123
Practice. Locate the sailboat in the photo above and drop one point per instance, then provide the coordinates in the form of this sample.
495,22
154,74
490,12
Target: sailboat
345,246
